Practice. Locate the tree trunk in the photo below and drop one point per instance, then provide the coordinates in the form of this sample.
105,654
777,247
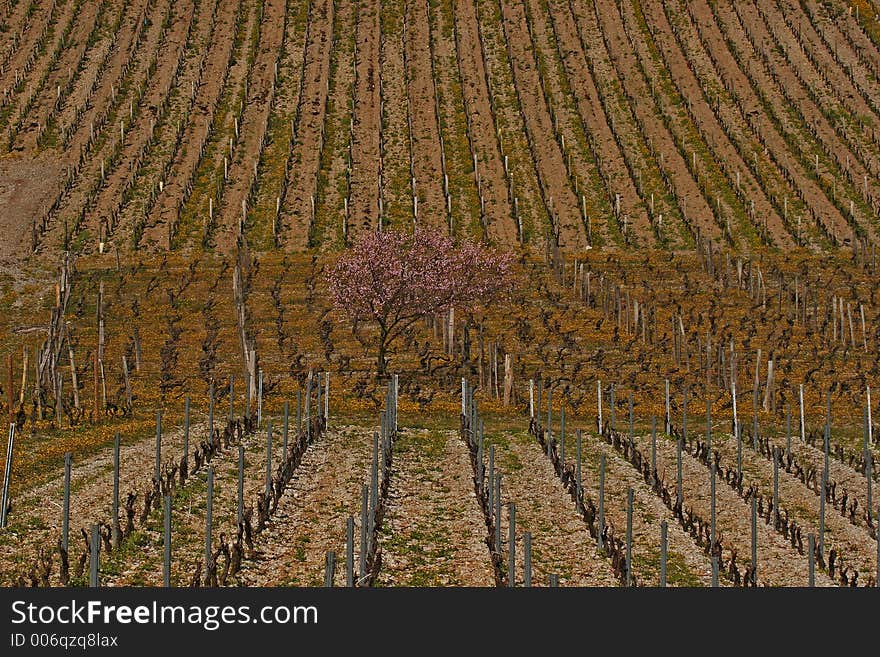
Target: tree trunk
381,361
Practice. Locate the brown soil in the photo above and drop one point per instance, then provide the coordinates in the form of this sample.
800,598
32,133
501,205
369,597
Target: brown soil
25,186
433,533
561,542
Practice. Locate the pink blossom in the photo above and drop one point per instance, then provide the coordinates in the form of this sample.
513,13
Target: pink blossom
394,278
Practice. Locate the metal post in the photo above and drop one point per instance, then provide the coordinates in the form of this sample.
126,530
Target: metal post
540,386
739,452
869,472
708,428
463,396
629,536
210,412
231,397
562,437
115,520
679,494
240,505
94,551
811,559
865,447
714,571
308,408
755,539
158,474
286,431
668,427
319,410
755,417
527,556
166,571
186,426
269,458
632,434
349,552
684,414
362,570
549,413
712,501
498,512
396,393
209,513
601,527
822,513
511,545
531,399
65,513
775,486
326,398
374,481
827,440
578,468
663,546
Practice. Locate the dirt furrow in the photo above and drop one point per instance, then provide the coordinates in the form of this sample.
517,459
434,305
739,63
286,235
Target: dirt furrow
433,532
20,21
529,209
699,210
852,543
169,129
687,564
332,178
261,88
584,180
778,563
427,165
217,52
17,54
38,513
654,183
561,541
365,148
722,149
302,168
262,229
458,162
829,216
75,121
75,201
613,161
15,111
789,69
483,125
90,21
567,222
92,69
324,491
140,134
396,184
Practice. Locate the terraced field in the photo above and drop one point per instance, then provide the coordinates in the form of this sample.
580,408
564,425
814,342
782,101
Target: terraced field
691,191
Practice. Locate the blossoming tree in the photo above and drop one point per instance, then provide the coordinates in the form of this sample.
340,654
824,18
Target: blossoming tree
392,279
